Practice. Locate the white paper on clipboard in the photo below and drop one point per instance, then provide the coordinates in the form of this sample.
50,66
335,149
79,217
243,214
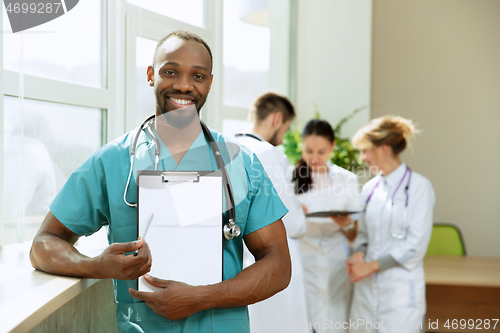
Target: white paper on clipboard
185,236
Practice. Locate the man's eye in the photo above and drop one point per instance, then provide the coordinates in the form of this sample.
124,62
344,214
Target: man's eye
169,72
198,77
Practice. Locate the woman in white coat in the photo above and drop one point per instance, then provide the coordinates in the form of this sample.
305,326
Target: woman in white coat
321,186
394,233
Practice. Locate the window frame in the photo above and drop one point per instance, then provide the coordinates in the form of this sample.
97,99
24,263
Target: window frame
107,98
120,24
282,62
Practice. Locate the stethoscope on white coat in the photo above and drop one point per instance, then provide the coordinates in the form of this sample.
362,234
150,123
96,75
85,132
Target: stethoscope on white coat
253,136
405,212
230,229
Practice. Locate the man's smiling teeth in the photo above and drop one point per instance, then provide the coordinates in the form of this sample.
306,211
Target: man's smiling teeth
181,101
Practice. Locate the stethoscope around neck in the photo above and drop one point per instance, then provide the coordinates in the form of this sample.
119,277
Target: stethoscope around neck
405,212
249,135
230,229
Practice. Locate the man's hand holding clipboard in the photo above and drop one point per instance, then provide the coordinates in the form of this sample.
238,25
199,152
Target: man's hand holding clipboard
175,298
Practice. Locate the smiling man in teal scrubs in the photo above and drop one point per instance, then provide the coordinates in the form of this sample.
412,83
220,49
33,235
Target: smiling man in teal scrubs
93,197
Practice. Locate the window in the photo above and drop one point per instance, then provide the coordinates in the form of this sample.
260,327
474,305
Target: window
145,100
85,74
68,48
192,12
246,52
231,127
59,68
42,147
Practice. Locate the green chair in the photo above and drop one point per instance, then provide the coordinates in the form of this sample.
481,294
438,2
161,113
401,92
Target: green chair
446,239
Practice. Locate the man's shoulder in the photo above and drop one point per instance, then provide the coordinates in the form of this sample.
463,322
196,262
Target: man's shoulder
114,151
234,147
266,152
255,145
123,143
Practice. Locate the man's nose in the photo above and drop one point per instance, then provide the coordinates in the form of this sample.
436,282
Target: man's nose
183,83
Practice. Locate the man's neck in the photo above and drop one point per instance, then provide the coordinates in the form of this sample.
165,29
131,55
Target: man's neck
263,132
177,140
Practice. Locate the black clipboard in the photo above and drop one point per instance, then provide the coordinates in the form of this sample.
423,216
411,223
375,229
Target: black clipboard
185,237
332,213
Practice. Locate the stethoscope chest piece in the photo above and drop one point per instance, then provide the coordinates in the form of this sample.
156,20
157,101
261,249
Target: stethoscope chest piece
231,230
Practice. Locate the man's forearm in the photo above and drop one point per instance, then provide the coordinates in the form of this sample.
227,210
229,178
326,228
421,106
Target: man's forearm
55,255
269,274
255,283
53,252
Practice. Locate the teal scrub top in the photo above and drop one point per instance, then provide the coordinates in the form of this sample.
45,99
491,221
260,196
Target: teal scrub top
93,197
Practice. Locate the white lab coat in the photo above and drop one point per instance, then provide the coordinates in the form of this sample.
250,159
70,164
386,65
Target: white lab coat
285,311
395,295
325,249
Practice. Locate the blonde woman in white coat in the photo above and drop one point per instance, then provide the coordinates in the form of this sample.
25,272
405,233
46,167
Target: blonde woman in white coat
321,186
394,233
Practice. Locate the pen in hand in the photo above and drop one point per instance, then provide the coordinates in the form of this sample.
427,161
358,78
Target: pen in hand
145,231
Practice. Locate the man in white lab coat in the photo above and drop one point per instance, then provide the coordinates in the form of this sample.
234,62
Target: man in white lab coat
270,117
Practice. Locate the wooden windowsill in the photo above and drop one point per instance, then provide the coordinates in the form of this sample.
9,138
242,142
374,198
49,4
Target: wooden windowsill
28,296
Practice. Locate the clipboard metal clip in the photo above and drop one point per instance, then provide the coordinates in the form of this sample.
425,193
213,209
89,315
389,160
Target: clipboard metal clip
180,176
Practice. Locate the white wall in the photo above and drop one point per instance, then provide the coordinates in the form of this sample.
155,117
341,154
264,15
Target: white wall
434,61
333,60
438,63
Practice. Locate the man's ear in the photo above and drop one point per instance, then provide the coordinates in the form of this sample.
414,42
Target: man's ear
210,85
277,119
151,76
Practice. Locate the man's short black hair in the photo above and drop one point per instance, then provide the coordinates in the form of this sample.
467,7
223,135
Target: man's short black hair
184,35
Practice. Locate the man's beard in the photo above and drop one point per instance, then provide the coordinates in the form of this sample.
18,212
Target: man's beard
180,118
274,139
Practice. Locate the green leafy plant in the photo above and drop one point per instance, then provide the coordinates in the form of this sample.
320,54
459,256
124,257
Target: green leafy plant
344,155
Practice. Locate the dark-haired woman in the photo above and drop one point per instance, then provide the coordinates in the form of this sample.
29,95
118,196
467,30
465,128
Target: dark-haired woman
322,186
387,268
